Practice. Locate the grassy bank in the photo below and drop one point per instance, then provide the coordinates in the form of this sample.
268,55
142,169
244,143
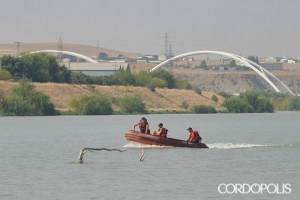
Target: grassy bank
159,101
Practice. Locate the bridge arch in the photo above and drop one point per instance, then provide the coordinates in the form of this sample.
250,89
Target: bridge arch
248,63
68,53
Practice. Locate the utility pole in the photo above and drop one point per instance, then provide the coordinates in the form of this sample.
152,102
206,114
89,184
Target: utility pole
60,47
166,45
18,47
170,51
97,53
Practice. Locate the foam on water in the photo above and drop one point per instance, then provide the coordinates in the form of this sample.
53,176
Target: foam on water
143,146
236,145
135,145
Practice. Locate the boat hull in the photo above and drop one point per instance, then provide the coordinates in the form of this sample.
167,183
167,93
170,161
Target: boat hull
142,138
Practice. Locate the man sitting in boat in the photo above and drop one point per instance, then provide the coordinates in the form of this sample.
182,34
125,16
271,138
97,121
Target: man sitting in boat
162,132
194,137
143,125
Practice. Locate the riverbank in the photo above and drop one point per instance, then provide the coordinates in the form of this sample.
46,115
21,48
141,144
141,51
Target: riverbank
161,100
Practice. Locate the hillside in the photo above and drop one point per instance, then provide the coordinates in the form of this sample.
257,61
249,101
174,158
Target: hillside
236,81
160,100
90,51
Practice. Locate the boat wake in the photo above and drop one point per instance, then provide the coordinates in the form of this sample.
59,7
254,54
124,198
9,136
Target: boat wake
214,145
135,145
235,145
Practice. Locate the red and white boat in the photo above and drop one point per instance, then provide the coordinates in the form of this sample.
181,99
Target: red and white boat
143,138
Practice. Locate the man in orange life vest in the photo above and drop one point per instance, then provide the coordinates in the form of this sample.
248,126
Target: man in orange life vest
162,132
194,136
143,125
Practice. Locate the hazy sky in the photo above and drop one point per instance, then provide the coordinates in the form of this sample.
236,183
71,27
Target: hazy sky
245,27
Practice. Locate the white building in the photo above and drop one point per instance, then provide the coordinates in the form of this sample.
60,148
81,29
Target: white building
162,57
97,69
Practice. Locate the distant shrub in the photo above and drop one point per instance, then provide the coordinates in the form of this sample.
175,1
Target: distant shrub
203,109
248,102
181,84
5,75
132,104
237,105
184,105
166,76
24,100
294,104
144,78
92,104
224,94
215,98
198,91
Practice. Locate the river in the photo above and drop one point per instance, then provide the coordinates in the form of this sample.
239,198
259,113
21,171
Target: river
39,154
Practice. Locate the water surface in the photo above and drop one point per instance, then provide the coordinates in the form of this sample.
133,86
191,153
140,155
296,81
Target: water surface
39,153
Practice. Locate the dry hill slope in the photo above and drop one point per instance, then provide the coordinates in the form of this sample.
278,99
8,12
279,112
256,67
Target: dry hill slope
160,100
90,51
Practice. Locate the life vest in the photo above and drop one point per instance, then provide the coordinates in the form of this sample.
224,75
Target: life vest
142,127
195,137
164,133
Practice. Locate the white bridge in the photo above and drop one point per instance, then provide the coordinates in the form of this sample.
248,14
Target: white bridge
68,53
248,63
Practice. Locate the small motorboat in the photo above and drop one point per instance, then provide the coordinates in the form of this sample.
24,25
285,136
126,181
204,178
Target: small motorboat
143,138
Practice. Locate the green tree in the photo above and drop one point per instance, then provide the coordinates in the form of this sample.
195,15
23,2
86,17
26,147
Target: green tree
124,77
5,75
165,75
254,59
38,67
132,104
182,84
80,78
92,104
23,100
237,105
144,78
232,63
103,56
215,98
203,65
294,104
198,91
203,109
250,101
258,101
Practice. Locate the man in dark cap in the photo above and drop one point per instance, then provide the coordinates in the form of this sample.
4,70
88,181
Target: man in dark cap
194,136
162,132
143,125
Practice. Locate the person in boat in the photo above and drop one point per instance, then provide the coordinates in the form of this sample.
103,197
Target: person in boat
194,137
143,125
162,132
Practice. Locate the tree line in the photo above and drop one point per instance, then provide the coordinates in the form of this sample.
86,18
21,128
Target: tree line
41,67
23,99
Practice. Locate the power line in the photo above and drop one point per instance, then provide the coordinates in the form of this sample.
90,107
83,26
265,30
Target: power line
60,47
18,47
166,45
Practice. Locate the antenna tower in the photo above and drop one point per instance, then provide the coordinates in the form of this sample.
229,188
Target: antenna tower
97,53
166,45
170,51
18,47
60,47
